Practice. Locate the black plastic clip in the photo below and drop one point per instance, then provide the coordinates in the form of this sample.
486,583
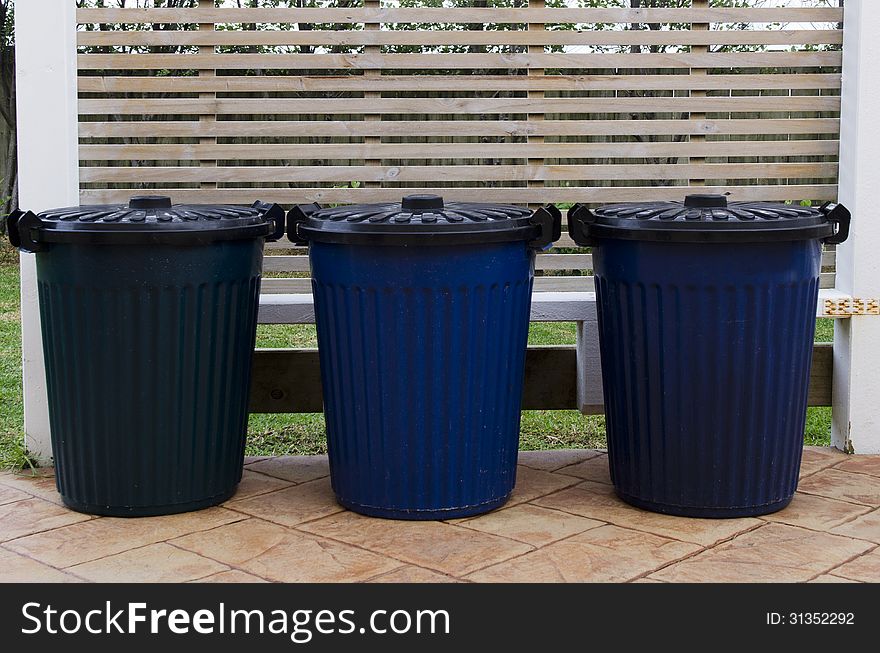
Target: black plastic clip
579,220
548,219
839,215
23,228
272,213
297,215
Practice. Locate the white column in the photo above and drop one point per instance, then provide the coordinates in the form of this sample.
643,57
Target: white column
48,168
856,391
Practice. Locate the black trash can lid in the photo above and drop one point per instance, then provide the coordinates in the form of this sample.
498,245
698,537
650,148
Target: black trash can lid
151,220
423,220
709,218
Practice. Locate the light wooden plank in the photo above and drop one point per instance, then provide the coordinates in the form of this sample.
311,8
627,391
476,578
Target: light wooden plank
450,61
542,262
447,15
546,307
357,128
429,173
418,82
794,192
282,37
542,284
330,151
448,105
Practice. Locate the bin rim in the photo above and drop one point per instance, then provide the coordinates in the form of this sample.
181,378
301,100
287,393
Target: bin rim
709,219
145,220
424,220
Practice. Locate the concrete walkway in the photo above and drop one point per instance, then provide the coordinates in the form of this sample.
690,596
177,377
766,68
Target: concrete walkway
562,524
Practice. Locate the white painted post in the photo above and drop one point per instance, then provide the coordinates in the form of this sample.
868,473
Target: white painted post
856,389
48,169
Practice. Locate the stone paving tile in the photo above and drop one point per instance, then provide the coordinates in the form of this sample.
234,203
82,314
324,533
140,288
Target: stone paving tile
837,484
436,545
865,568
831,578
530,524
10,494
410,574
39,483
861,464
15,568
296,469
534,483
231,576
280,554
33,516
815,459
866,527
99,538
772,553
254,459
292,506
598,501
253,484
605,554
555,459
815,512
156,563
594,469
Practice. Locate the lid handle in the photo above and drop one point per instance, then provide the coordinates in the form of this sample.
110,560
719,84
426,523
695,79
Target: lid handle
23,228
275,214
705,201
295,217
548,219
838,215
579,220
144,202
421,203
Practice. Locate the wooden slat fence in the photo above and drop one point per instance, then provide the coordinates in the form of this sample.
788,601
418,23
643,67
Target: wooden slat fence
522,104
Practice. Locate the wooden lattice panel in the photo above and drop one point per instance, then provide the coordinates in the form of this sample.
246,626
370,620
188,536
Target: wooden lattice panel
525,104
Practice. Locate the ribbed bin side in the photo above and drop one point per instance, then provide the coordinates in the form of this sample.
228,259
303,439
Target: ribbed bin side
148,356
422,360
706,374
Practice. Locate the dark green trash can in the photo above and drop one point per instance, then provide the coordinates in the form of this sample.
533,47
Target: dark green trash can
149,319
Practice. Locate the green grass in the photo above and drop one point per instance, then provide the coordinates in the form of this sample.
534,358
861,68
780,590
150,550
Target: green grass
12,452
284,434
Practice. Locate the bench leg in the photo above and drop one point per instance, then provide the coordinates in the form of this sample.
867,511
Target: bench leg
589,369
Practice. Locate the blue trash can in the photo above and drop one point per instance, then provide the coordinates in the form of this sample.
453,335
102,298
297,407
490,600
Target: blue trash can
706,321
422,312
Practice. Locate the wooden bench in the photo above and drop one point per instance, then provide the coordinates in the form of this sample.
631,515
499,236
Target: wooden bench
557,377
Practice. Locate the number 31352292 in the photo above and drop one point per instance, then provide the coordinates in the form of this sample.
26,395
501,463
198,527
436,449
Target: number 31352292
811,618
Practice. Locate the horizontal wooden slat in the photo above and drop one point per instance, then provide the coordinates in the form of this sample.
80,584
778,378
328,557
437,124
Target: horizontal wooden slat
542,284
417,82
542,262
451,61
546,307
288,381
460,37
794,192
441,106
355,128
460,15
428,173
287,263
329,151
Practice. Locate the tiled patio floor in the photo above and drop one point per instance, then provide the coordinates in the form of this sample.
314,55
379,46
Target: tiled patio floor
562,524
